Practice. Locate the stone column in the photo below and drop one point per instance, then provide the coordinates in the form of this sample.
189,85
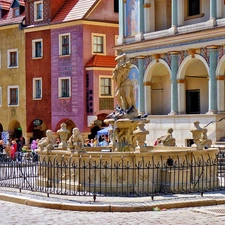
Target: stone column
121,23
213,14
141,97
174,96
212,80
148,107
139,36
220,94
173,28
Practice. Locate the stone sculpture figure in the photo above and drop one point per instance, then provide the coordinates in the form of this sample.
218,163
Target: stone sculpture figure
63,134
125,88
200,137
47,142
167,140
204,141
76,140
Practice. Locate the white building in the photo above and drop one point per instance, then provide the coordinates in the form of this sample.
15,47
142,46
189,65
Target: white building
177,50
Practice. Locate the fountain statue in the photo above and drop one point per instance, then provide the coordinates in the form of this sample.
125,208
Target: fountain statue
47,142
167,140
126,123
63,134
76,141
200,137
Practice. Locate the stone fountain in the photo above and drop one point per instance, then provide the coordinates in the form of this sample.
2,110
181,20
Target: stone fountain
128,136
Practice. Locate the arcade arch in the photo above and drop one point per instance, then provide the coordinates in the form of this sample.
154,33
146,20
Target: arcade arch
157,88
192,77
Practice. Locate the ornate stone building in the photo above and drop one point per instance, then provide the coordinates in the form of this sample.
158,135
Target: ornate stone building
177,52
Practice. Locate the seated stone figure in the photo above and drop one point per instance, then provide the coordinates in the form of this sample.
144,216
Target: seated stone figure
204,141
47,142
76,140
167,140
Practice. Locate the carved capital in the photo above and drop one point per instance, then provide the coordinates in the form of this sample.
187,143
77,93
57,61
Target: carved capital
174,53
212,47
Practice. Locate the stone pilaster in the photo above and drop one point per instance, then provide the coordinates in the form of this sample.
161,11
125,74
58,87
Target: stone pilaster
212,80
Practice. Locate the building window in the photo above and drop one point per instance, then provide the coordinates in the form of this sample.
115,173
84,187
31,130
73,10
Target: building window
98,43
116,6
193,7
13,95
64,44
16,12
37,50
38,10
37,88
64,87
105,86
12,58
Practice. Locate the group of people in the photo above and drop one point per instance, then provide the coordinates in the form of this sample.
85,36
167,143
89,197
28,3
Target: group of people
12,148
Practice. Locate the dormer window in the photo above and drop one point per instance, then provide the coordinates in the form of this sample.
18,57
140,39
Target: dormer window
16,12
38,10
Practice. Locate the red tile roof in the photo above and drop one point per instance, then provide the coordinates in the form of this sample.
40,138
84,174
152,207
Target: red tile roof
8,18
74,10
102,61
5,4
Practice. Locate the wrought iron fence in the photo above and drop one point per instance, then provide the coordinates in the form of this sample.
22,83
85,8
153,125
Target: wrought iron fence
113,177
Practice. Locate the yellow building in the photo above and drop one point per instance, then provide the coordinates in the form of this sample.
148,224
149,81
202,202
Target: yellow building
12,70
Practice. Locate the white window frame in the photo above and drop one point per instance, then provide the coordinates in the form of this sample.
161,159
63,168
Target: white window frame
60,44
60,86
11,87
34,48
34,88
8,58
104,44
112,87
35,11
0,96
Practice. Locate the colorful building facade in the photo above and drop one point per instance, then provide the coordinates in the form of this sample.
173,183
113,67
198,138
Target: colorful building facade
63,78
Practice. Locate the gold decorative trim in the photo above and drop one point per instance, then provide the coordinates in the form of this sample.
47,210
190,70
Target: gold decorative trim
140,57
220,77
192,52
174,53
157,57
181,81
212,47
148,83
147,5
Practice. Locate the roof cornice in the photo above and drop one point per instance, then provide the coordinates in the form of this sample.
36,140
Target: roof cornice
100,68
68,24
9,26
183,40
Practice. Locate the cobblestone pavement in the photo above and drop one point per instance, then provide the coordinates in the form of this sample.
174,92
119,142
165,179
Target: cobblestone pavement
17,214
